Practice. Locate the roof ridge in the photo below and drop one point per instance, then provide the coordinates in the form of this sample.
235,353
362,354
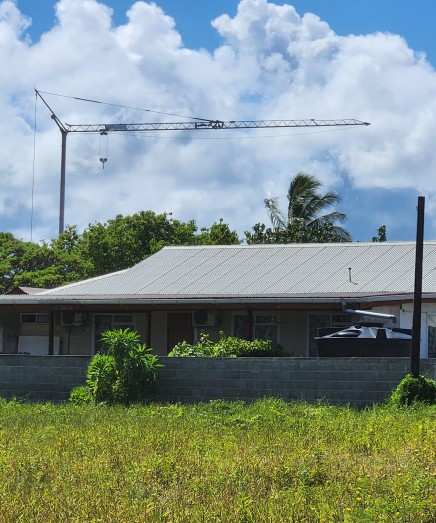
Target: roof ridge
299,245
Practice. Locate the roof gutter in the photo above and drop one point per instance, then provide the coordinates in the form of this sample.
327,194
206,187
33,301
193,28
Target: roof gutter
64,300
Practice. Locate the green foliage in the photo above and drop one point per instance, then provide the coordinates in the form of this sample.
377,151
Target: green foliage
218,234
201,349
294,232
101,377
138,373
414,390
262,462
304,221
102,248
41,265
119,343
126,240
381,236
225,347
126,373
80,396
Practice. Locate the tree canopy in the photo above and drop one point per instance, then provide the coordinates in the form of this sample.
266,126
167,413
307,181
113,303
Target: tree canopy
101,248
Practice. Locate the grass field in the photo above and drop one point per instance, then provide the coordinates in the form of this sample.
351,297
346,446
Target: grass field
219,462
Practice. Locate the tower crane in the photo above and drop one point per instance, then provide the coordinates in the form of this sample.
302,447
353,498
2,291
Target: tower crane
194,124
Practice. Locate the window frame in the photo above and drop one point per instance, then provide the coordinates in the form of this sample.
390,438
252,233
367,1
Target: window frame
114,325
258,314
38,318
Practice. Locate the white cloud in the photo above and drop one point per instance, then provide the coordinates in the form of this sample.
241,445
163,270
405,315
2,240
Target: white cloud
274,63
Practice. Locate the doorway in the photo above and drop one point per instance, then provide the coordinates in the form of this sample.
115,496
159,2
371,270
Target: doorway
179,328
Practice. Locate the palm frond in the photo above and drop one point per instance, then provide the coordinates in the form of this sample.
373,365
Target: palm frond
274,213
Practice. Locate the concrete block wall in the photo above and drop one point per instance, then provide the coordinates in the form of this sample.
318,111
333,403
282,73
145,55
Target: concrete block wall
355,381
41,378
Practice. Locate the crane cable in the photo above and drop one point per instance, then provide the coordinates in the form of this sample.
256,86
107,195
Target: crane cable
127,107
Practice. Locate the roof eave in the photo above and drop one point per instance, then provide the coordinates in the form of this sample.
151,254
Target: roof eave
128,300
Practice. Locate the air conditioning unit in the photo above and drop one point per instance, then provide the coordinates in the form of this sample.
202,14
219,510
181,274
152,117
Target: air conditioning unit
204,318
75,319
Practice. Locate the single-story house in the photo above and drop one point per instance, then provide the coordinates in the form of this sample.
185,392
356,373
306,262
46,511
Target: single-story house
279,292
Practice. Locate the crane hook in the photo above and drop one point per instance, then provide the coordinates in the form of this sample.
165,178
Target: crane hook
103,159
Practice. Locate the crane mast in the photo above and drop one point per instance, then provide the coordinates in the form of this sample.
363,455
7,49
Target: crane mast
195,124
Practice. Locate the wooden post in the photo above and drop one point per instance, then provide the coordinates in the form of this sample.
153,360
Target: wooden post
51,323
250,325
148,328
417,297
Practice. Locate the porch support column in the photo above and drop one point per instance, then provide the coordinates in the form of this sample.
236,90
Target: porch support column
51,323
250,325
148,329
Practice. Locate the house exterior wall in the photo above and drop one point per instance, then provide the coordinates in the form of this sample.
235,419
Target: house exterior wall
428,326
292,329
141,326
295,328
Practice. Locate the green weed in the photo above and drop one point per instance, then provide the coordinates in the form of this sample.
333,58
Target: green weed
269,461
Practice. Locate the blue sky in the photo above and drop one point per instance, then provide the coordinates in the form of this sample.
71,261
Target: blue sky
414,21
264,60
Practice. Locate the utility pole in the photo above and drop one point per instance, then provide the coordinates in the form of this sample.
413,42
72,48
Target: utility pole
417,297
196,124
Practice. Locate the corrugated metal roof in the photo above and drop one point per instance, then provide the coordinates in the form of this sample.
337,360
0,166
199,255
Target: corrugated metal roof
261,271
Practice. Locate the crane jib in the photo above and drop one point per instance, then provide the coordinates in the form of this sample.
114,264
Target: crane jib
208,124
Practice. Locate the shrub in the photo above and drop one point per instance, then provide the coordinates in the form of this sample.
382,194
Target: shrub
123,375
137,374
226,347
202,349
101,377
412,390
80,396
119,343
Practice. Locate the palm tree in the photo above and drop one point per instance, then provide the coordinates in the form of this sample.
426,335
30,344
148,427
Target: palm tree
305,209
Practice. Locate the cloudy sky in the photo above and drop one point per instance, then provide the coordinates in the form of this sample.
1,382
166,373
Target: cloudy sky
227,60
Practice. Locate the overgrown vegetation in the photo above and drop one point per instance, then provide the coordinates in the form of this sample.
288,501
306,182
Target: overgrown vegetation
123,375
414,390
219,462
226,347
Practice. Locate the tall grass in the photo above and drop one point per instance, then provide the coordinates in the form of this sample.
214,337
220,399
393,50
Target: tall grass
219,462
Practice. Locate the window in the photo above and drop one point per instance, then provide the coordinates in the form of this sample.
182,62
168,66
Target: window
240,326
265,326
35,318
324,321
104,322
431,335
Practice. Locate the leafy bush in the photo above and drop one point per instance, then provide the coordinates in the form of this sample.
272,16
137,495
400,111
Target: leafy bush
80,396
412,390
101,377
123,375
138,372
225,347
